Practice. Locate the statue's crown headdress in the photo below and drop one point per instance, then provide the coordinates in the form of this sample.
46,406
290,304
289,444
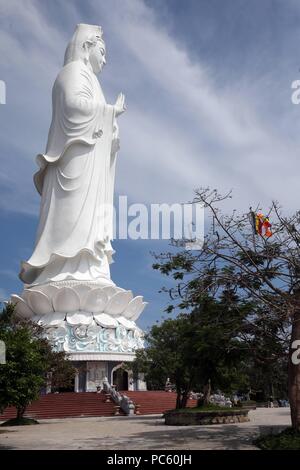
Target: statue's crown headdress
84,33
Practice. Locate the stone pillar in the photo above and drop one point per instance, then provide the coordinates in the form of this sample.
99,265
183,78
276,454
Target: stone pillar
76,382
49,384
130,381
141,384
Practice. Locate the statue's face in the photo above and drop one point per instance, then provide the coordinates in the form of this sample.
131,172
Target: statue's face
97,58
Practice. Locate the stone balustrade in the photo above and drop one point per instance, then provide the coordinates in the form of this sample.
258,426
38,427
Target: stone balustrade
123,401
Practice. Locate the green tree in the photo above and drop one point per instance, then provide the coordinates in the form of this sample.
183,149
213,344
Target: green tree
166,356
259,269
267,338
195,349
29,360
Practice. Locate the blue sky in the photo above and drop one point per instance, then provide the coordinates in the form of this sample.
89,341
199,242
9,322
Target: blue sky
208,91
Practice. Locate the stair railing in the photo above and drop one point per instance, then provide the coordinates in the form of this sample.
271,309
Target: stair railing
123,401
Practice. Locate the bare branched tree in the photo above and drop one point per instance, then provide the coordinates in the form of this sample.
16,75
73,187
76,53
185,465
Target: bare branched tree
252,265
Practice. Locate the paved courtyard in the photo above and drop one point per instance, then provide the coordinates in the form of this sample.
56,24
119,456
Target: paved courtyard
141,432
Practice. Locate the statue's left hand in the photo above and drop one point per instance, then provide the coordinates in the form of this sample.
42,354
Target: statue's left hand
120,106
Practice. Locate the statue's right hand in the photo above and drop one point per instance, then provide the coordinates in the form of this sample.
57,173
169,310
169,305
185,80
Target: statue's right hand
120,106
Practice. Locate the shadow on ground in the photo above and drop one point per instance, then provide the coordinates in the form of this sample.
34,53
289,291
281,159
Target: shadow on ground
2,438
229,437
149,433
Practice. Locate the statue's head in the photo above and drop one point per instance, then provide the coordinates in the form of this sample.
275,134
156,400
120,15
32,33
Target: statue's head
87,45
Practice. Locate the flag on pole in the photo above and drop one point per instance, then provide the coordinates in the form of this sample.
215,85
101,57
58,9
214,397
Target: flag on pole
262,225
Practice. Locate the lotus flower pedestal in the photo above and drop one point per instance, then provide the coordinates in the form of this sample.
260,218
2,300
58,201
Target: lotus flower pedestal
92,321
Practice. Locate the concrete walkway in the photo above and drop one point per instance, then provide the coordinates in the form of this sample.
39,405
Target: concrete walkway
142,432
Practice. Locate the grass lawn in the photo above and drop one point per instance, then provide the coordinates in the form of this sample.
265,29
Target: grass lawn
286,440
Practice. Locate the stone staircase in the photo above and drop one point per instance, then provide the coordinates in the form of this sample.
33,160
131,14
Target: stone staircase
66,405
155,402
78,405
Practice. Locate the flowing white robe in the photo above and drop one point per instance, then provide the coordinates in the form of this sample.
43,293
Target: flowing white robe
76,183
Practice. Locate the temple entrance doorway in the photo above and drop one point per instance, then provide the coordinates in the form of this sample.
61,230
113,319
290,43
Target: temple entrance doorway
120,379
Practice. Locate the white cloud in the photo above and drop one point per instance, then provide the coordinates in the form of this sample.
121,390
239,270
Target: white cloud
182,130
201,133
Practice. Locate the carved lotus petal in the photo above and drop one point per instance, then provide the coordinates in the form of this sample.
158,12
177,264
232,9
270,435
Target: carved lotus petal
15,299
22,308
117,304
49,291
130,325
110,291
25,295
81,290
134,308
95,300
130,294
136,316
119,289
105,320
79,318
66,300
52,319
39,302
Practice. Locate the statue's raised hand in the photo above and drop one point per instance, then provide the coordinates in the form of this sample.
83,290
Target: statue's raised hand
120,106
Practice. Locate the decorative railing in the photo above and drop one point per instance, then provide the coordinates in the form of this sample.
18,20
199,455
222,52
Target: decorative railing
121,400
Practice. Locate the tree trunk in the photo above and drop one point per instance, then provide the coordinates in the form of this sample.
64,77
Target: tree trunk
207,393
20,412
178,400
184,399
181,399
294,373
